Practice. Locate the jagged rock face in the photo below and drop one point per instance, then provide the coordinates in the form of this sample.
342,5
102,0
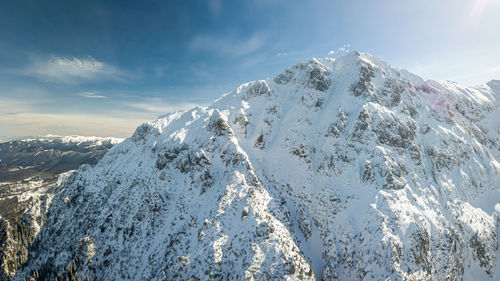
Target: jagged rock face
343,169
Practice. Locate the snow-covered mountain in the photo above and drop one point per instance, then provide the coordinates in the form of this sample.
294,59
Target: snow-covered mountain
337,169
30,167
45,156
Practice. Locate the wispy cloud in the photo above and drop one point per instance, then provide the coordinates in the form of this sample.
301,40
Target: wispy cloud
92,95
72,70
227,46
157,106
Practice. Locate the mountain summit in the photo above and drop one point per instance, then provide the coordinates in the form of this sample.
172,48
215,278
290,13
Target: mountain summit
336,169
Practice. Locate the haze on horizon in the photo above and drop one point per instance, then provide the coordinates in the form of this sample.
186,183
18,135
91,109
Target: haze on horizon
102,68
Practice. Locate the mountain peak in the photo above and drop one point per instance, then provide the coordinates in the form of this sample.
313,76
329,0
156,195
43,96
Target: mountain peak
318,73
312,73
343,168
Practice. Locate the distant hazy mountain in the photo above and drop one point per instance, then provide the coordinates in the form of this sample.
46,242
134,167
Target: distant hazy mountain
337,169
29,169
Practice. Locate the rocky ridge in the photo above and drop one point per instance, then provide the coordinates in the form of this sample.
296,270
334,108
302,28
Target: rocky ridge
336,169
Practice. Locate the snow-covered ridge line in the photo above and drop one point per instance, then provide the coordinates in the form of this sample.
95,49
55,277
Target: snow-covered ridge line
336,169
64,139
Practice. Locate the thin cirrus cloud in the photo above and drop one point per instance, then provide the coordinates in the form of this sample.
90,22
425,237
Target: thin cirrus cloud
72,70
158,107
92,95
227,45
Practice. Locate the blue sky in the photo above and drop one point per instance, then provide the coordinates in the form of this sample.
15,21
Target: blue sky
103,67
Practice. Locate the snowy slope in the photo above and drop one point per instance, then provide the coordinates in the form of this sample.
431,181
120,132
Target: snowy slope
346,169
29,170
